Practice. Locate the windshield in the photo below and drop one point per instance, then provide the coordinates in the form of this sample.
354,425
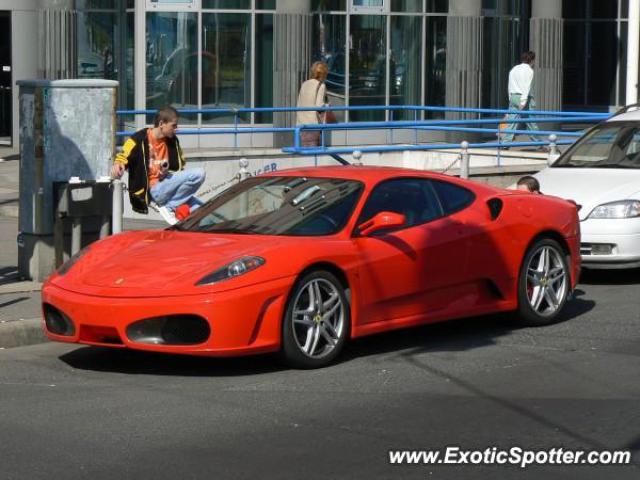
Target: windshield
606,146
278,206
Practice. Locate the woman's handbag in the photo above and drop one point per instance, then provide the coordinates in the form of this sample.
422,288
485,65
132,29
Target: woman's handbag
329,116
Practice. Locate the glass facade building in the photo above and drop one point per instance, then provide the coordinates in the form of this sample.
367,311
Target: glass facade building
205,54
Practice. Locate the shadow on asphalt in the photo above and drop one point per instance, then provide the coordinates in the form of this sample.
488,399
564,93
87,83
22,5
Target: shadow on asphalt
453,335
610,277
8,275
151,363
14,301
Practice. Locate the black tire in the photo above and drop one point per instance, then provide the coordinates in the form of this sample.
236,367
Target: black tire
318,324
542,306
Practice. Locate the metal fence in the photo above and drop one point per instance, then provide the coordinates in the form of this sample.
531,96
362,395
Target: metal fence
474,125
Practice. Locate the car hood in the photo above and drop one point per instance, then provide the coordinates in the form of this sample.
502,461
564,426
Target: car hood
159,262
590,187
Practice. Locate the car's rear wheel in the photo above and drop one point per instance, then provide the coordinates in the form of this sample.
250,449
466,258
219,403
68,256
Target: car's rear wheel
543,283
316,322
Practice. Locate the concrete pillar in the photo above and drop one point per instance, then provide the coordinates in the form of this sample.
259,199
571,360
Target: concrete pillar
464,55
56,35
67,129
291,59
545,38
633,50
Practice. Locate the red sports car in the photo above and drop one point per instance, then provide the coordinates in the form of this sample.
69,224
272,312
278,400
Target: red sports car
299,261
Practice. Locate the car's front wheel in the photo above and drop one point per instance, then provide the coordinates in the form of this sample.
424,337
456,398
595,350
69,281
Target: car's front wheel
543,283
316,322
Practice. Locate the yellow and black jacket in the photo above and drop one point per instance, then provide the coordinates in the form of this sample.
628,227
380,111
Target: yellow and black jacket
135,157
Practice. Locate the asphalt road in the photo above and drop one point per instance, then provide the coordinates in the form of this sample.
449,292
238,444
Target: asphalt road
77,412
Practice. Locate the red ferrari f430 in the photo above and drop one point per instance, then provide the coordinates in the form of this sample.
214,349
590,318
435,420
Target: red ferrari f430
300,261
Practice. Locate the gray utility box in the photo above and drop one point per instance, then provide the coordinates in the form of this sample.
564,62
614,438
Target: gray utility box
67,129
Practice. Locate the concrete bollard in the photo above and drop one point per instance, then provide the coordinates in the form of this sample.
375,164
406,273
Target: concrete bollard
244,171
357,157
464,159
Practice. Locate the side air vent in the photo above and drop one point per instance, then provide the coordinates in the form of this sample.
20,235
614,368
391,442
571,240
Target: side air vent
495,207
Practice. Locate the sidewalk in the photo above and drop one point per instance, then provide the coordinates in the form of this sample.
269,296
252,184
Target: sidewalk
20,313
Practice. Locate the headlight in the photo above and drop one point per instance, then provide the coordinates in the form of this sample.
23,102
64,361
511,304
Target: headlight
233,269
66,266
620,209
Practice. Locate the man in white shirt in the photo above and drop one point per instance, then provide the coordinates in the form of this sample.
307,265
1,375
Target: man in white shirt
521,95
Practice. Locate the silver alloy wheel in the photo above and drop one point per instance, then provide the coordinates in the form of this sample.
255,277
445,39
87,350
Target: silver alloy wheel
547,281
318,318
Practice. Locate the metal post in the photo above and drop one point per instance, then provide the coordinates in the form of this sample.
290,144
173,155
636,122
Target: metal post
242,174
553,149
633,48
116,209
76,235
235,126
104,227
464,159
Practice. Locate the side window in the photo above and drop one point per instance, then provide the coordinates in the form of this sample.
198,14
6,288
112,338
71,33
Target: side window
412,197
452,197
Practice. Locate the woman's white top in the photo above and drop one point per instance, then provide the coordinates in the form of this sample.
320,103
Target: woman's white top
311,94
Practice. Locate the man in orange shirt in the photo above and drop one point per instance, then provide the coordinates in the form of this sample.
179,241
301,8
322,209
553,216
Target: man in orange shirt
156,168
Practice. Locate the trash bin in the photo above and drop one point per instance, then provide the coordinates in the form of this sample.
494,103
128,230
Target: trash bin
82,208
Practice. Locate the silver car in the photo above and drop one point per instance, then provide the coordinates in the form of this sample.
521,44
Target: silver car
601,172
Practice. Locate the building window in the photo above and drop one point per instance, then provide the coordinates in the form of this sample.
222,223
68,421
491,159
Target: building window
367,65
405,64
96,43
264,67
328,41
172,61
435,63
226,64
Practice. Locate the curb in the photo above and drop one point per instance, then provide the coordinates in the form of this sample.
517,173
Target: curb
9,211
20,333
25,286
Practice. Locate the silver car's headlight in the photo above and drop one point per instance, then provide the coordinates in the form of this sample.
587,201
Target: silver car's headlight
231,270
619,209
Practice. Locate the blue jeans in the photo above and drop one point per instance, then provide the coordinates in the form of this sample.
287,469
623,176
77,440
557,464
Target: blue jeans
513,118
178,188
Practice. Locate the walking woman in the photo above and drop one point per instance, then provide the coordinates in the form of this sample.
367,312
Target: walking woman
312,94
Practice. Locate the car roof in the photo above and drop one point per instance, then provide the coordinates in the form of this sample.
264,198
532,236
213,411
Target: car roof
632,116
368,174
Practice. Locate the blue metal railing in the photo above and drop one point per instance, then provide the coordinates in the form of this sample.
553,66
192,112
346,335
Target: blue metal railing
458,125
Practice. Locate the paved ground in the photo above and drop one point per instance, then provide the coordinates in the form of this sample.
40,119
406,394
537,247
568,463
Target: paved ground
79,412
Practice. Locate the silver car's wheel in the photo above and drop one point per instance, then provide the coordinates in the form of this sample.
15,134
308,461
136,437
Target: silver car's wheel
316,321
544,282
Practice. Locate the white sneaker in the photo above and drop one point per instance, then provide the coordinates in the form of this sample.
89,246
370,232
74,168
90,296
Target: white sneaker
168,215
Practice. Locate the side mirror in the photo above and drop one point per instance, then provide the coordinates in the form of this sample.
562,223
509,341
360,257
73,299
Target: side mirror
382,221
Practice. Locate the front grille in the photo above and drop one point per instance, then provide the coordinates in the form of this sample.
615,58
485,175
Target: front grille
170,330
57,322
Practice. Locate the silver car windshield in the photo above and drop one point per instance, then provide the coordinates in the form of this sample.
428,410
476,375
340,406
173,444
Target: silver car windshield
607,146
278,206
